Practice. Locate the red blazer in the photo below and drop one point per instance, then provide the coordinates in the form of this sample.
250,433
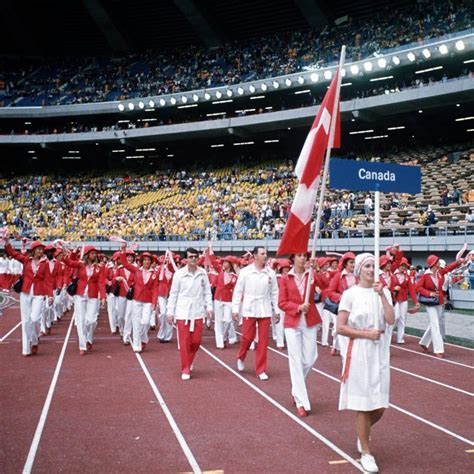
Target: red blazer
165,278
403,280
338,285
123,285
57,274
95,284
224,291
41,281
289,299
322,281
426,284
142,292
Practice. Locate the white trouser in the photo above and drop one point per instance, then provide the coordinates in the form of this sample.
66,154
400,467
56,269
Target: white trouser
141,317
278,331
127,326
121,308
112,311
223,323
85,310
31,308
442,323
47,315
153,318
400,319
433,330
58,305
165,332
335,339
302,354
326,321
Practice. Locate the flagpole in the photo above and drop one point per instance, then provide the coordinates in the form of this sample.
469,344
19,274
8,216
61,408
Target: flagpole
332,131
377,254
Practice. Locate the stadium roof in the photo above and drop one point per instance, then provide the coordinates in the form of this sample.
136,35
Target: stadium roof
92,27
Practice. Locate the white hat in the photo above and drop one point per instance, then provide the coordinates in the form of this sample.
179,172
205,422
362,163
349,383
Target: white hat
360,260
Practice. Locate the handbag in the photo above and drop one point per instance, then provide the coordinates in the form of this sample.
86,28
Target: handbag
317,297
72,287
428,300
130,293
115,289
330,306
18,284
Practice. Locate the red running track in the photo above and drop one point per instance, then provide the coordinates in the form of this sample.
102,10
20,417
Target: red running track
104,415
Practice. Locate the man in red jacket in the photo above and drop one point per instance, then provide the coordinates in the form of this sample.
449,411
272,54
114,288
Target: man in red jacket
36,289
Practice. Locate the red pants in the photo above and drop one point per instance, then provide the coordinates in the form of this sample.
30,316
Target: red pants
249,330
189,343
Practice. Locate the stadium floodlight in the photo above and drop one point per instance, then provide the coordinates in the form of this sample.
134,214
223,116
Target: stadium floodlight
327,75
368,66
218,94
252,88
314,77
131,106
162,102
396,60
121,107
240,91
141,104
459,45
288,82
382,62
355,69
301,80
411,56
426,53
195,97
276,84
184,99
264,87
207,96
343,72
229,93
151,103
443,49
173,101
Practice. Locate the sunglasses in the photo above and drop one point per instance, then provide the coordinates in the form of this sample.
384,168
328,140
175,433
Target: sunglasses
192,256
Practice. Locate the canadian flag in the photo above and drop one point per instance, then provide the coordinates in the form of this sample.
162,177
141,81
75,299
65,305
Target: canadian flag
308,168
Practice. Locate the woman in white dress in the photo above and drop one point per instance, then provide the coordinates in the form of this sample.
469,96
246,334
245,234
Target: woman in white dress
365,382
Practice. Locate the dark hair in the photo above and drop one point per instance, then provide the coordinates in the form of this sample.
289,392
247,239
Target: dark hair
257,248
190,250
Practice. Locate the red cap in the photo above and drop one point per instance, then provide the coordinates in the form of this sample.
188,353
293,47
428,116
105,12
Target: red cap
404,262
283,263
35,245
49,247
146,254
130,252
384,259
88,249
344,258
321,261
432,260
116,256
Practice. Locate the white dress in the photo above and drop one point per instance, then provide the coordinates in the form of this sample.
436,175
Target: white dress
368,383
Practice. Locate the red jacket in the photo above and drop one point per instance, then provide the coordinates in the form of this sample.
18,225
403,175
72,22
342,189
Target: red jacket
95,284
322,281
403,280
41,280
426,285
57,274
123,285
224,291
289,299
142,292
338,284
165,278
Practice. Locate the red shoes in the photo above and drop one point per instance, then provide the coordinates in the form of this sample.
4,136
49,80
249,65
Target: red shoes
424,348
143,346
439,355
82,352
89,346
34,349
301,412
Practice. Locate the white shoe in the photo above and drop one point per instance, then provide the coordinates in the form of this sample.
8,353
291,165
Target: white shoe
191,367
252,346
359,447
368,463
263,376
240,365
185,376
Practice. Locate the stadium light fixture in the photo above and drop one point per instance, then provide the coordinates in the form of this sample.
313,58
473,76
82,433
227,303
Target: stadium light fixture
305,91
276,84
411,56
459,45
420,111
383,78
252,88
184,99
382,62
314,77
343,72
141,104
217,145
207,96
264,87
162,102
368,66
375,137
151,103
288,82
240,91
271,141
396,60
426,53
355,69
443,49
173,101
301,80
195,97
468,61
31,151
229,93
218,94
327,75
131,106
121,107
462,119
401,127
357,132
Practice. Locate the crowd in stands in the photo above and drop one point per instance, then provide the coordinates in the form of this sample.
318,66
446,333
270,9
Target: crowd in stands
82,80
240,202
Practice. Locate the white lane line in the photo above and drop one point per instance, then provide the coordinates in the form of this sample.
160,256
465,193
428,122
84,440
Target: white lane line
304,425
39,429
9,332
402,410
446,343
432,381
396,346
177,432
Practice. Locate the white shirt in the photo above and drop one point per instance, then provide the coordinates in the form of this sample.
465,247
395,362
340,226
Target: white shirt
3,265
255,293
190,295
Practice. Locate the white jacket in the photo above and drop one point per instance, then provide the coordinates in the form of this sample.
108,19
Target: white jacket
255,293
190,295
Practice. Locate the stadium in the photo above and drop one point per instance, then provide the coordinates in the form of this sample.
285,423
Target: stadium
189,188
